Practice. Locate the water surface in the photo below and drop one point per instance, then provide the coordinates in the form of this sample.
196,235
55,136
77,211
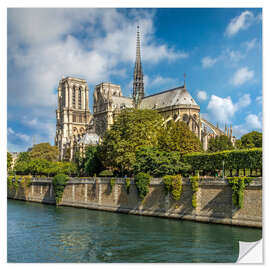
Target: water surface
45,233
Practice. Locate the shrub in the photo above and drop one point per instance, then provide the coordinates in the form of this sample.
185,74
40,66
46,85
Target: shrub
195,186
106,173
112,183
173,185
142,181
59,182
234,159
127,182
238,187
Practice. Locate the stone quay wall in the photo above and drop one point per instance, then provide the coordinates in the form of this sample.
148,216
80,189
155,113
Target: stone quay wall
214,199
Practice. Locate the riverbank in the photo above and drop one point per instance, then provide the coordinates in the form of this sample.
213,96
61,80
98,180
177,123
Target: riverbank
214,199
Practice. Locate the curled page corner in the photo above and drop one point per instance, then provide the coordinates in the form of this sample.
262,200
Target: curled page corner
250,252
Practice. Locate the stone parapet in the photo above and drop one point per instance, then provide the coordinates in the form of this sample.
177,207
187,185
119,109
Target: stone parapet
214,199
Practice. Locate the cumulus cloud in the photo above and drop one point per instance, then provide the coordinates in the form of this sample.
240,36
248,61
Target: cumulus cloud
253,121
202,95
41,58
242,75
241,22
208,61
223,109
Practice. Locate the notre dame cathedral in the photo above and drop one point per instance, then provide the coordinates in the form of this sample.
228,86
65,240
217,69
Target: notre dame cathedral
76,127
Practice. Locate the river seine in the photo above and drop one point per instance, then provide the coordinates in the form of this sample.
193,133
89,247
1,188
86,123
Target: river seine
45,233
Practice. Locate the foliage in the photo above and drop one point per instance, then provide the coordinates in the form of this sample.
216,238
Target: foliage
9,181
234,159
91,162
238,187
131,129
195,186
159,163
142,182
59,182
44,151
127,184
173,185
251,140
21,163
178,137
9,161
106,173
13,182
112,183
25,165
220,143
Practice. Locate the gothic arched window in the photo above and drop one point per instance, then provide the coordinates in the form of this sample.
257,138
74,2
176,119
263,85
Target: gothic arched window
63,96
73,96
80,98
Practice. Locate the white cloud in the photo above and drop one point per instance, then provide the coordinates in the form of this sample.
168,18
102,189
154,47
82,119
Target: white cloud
18,135
242,75
234,56
40,58
202,95
250,44
243,102
253,121
241,22
223,109
208,61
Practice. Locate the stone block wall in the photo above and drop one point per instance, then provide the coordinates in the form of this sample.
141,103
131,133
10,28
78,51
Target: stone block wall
214,199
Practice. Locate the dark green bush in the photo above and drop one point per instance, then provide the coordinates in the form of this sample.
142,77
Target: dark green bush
142,181
59,182
235,159
159,163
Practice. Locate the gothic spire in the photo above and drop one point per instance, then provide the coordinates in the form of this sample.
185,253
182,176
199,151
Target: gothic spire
138,85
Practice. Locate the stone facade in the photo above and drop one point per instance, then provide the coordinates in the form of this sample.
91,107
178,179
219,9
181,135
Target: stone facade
214,199
72,114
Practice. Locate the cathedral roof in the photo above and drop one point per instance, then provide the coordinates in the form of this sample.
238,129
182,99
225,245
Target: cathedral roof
90,138
120,101
172,97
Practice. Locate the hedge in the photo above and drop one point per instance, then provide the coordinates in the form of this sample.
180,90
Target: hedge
233,159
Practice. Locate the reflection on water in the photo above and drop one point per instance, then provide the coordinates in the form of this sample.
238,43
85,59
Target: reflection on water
44,233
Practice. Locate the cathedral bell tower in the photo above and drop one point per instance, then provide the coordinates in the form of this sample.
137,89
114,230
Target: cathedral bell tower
138,85
72,114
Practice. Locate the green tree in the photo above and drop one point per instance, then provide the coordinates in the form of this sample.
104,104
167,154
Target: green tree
220,143
9,161
22,163
44,151
92,164
251,140
131,129
178,137
159,163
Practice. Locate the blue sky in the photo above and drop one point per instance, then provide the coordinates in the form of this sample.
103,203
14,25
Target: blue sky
219,49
